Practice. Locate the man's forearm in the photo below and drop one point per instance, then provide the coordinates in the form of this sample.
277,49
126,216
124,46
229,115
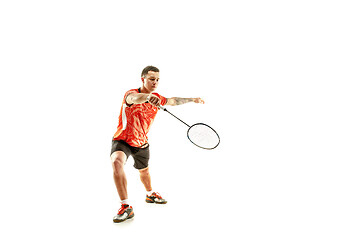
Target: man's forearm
137,98
174,101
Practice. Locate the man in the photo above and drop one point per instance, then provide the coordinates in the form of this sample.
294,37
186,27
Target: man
139,108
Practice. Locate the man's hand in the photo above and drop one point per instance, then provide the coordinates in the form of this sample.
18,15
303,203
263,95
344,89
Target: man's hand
154,100
198,100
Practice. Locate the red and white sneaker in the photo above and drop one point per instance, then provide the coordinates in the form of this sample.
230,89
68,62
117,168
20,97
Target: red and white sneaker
155,197
125,212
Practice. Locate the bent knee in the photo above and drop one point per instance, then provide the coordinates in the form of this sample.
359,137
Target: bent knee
118,161
144,170
117,164
118,167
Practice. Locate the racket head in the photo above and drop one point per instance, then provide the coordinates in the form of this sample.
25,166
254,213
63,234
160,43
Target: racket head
203,136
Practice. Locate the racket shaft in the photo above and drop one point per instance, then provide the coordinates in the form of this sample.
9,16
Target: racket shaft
161,107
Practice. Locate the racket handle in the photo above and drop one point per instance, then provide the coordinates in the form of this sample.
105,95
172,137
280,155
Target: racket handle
162,107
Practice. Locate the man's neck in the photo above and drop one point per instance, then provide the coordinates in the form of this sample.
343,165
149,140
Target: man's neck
144,90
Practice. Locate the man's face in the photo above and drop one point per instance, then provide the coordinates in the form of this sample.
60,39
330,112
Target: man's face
151,81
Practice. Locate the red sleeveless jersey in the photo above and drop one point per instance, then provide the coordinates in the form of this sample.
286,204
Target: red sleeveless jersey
135,120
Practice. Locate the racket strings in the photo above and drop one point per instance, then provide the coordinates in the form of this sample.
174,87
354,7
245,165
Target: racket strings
203,136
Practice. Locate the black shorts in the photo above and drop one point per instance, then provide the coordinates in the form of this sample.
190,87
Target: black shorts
141,155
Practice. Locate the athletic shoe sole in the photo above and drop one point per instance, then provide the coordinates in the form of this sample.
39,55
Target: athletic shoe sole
129,216
152,201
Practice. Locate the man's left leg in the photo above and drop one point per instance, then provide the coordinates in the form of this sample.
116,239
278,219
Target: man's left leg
151,197
145,178
141,159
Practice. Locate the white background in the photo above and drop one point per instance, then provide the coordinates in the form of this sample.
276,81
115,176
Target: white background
280,80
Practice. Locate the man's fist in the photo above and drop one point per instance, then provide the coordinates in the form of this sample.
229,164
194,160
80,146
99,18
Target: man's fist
154,100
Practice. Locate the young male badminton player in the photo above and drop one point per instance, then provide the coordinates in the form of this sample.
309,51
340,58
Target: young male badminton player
139,108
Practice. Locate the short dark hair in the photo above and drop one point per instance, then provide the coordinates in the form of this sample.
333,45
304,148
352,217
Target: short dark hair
147,69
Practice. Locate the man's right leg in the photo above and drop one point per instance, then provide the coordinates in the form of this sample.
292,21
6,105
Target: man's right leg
118,160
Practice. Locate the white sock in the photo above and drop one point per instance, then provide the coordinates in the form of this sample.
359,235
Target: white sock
149,193
125,201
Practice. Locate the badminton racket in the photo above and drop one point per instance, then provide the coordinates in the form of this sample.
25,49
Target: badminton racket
200,134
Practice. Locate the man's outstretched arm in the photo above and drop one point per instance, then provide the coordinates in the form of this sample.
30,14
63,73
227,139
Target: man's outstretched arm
174,101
